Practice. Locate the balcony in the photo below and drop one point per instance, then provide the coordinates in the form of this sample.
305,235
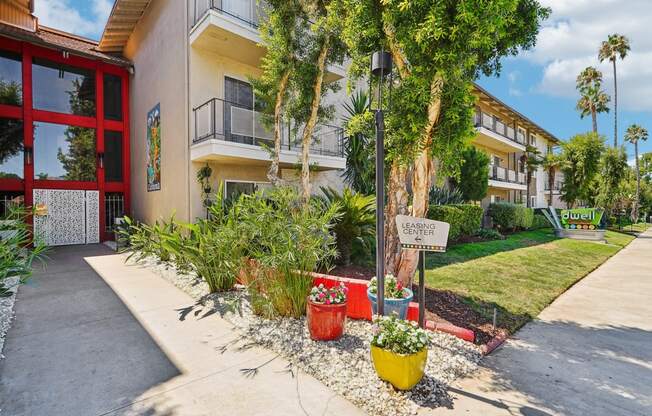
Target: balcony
500,177
495,134
556,188
229,131
230,29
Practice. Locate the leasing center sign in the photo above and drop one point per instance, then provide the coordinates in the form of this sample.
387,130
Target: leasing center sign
581,218
422,234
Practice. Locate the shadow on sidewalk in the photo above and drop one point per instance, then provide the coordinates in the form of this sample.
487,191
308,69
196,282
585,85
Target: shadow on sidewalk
75,348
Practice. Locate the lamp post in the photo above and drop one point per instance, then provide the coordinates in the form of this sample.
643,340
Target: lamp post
381,68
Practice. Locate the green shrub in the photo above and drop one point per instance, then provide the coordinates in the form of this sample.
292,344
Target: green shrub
355,225
287,240
539,222
507,216
464,219
17,255
489,234
270,240
445,196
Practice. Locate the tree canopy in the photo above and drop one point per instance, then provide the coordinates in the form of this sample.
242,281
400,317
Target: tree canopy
438,47
581,154
474,177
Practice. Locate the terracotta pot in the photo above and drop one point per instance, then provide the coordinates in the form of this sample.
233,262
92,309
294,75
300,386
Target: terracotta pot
325,322
403,371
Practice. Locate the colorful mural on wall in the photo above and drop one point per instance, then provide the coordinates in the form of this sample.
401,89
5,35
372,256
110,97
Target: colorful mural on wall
154,149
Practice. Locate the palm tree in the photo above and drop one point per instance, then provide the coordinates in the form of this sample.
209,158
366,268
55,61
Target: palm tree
616,46
359,149
634,134
593,99
552,164
532,160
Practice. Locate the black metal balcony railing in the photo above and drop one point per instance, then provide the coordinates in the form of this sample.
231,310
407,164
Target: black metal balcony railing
482,119
218,119
248,12
501,174
556,186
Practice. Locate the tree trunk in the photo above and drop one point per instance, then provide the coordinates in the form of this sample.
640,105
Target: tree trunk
551,183
397,204
638,185
422,177
594,118
527,191
615,106
312,120
273,173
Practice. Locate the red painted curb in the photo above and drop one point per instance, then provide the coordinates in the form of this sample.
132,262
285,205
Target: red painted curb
494,343
359,306
462,333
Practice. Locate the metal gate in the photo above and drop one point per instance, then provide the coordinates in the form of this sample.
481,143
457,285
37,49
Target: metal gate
65,217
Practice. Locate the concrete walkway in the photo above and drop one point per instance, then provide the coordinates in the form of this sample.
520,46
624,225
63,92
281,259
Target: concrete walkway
108,340
589,353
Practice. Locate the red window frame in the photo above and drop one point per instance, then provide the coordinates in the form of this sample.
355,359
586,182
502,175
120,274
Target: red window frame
29,115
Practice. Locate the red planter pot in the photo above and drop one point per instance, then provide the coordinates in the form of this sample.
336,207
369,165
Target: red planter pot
325,322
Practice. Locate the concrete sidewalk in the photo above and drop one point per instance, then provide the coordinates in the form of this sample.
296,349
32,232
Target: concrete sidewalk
588,353
108,340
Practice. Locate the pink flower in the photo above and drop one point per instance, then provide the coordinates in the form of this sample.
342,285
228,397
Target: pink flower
321,295
328,301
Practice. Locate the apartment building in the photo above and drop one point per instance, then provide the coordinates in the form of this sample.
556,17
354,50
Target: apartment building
504,134
193,60
123,125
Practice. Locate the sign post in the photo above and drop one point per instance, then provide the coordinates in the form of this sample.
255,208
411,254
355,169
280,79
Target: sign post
423,235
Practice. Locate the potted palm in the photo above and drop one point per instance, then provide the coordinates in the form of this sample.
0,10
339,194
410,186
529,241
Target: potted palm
399,351
397,297
326,312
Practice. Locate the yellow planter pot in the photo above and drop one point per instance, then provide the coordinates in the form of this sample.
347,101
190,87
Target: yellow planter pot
403,371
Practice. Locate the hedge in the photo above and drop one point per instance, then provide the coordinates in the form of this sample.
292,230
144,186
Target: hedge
508,216
540,222
464,219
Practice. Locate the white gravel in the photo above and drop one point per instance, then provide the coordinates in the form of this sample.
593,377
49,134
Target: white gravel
7,312
344,365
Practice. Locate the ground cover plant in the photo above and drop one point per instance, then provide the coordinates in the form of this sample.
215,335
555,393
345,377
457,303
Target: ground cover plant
18,250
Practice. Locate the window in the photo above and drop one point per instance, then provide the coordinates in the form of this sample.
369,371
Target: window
113,156
11,78
62,88
112,97
11,149
233,189
64,153
238,96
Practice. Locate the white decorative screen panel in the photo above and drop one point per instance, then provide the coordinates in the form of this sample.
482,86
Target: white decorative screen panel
71,217
92,217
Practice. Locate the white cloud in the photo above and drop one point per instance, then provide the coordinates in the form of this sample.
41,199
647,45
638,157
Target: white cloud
570,39
63,15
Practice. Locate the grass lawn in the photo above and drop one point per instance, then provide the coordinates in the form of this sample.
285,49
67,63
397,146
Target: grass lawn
520,275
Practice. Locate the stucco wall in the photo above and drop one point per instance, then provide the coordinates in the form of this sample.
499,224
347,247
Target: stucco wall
158,50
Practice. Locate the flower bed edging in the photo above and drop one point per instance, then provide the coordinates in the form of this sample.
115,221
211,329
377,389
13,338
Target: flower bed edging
359,306
494,343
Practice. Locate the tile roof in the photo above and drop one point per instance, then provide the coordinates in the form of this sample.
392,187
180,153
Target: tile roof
49,37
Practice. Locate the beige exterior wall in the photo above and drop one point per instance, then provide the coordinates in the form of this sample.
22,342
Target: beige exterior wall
158,50
17,13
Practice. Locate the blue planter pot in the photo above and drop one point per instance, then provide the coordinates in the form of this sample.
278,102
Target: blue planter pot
398,306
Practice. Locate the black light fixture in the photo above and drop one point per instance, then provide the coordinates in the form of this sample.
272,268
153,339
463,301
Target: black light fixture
381,75
29,155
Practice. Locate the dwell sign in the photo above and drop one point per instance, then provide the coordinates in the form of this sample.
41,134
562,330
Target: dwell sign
581,218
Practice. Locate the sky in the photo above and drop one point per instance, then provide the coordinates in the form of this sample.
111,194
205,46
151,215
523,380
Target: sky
539,83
